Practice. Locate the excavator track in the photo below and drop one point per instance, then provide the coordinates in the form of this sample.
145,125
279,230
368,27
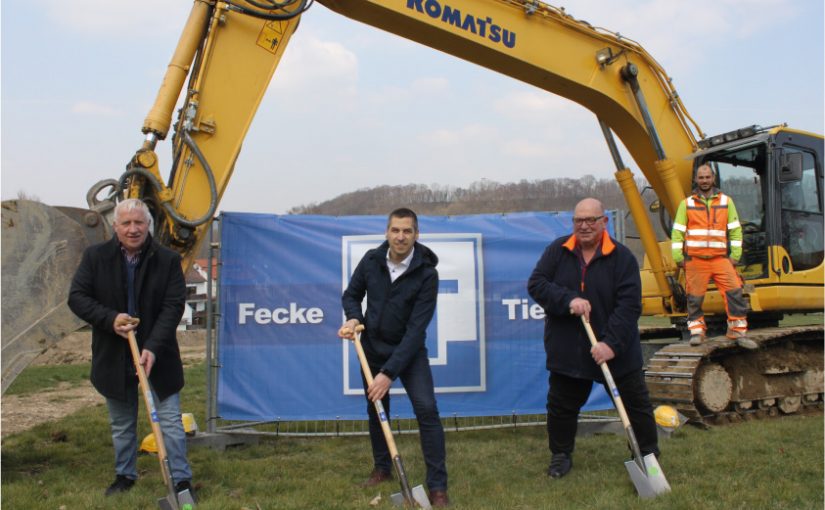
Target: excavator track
719,382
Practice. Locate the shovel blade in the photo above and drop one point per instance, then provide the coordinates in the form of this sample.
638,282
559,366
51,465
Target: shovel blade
418,494
651,482
420,497
168,503
397,499
185,500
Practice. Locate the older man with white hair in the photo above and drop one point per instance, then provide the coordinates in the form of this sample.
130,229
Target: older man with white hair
132,276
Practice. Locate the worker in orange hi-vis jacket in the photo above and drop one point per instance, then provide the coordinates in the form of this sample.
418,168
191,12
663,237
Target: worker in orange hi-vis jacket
705,224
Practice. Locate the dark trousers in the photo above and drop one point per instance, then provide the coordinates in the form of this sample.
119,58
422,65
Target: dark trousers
567,395
418,382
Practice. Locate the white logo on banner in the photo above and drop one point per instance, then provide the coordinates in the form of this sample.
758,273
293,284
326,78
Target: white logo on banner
459,315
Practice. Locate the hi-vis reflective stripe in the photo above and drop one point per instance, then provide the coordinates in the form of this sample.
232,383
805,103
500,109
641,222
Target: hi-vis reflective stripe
736,243
696,327
734,224
679,227
723,199
705,244
705,232
677,246
739,323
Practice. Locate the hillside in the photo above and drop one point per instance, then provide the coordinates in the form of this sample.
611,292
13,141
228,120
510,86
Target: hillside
485,197
480,197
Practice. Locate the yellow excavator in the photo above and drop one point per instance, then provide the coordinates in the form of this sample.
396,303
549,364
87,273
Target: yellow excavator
221,68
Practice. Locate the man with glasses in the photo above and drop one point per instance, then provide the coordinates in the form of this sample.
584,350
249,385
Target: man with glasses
590,274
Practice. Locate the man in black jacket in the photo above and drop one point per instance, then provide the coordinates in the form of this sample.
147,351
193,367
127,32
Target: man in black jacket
589,274
400,281
132,276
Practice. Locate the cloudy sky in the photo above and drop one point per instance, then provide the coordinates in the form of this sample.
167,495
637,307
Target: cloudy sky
353,107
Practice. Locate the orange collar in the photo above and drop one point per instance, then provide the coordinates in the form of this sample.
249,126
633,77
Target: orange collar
606,243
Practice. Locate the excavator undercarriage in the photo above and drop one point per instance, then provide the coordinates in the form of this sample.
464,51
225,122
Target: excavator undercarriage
718,382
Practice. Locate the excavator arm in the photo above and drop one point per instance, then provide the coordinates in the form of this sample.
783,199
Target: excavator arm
229,52
225,58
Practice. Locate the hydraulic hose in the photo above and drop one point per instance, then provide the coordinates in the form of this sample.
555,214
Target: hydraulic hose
177,218
270,6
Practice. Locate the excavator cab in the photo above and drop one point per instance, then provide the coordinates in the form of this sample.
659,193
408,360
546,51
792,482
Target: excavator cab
774,177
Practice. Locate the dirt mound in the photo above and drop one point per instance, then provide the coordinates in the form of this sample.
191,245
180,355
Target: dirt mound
77,348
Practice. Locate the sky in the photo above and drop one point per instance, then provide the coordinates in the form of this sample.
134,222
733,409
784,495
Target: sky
352,107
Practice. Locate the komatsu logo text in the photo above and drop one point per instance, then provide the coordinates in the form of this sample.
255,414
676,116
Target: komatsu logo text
482,27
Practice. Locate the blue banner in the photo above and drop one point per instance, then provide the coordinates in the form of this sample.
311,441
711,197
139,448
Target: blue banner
280,301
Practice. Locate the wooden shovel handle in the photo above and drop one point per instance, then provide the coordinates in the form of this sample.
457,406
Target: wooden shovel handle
153,414
379,407
614,391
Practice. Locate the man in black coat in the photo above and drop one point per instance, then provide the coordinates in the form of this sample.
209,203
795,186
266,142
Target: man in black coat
400,281
590,274
132,276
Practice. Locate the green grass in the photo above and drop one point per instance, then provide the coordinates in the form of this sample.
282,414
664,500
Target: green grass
802,319
38,378
763,464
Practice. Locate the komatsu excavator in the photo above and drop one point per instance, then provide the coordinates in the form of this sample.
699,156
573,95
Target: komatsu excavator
222,66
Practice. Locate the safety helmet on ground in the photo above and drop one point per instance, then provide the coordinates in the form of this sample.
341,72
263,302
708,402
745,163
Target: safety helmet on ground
149,445
666,416
190,426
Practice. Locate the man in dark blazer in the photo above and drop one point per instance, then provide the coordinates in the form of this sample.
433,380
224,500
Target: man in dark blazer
131,276
400,282
590,274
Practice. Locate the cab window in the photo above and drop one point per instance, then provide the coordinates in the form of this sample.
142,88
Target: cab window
802,225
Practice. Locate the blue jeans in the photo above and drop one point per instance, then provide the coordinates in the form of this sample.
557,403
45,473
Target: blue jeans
418,382
123,416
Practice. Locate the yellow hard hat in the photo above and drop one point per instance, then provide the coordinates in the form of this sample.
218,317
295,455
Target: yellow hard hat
666,416
149,445
190,426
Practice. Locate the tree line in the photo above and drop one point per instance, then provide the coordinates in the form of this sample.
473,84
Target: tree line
480,197
490,197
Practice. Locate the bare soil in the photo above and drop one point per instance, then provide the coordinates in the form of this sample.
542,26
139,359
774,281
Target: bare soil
22,412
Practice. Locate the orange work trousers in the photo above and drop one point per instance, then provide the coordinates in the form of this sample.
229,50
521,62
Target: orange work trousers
698,273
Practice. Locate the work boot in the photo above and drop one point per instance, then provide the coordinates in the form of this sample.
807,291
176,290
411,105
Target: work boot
746,343
186,485
439,499
560,465
742,339
377,476
697,339
121,484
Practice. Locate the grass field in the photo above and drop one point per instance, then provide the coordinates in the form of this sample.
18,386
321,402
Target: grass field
39,378
765,464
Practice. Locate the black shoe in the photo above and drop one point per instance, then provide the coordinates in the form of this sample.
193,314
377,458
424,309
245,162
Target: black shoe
121,484
186,485
560,465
